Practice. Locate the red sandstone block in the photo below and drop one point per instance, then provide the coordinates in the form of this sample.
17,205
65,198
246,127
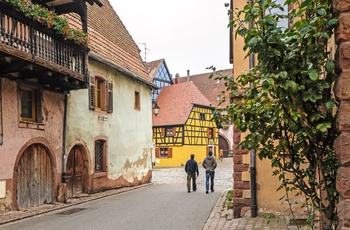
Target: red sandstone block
245,185
344,55
343,214
343,182
341,5
241,168
341,147
342,86
343,33
343,119
241,202
237,176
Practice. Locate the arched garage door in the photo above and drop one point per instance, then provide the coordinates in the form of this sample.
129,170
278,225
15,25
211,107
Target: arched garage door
34,177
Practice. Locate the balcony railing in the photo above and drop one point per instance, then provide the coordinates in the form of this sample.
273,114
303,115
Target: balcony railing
32,42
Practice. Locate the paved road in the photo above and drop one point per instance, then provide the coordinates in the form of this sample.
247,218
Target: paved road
165,205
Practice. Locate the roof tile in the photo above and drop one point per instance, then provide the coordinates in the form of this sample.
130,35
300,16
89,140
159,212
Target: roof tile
176,102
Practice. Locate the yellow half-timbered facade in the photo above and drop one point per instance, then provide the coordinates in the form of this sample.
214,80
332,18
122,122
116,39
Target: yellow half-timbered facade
183,126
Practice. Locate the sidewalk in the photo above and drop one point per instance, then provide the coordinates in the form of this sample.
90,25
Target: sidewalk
19,215
219,219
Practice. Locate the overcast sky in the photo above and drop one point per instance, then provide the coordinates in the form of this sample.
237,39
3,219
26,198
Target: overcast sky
188,34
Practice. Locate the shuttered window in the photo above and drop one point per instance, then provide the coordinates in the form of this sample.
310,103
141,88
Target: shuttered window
164,152
100,94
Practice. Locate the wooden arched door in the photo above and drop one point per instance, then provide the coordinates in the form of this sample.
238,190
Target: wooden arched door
75,172
223,145
34,177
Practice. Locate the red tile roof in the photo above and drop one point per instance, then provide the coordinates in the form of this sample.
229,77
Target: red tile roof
176,102
110,40
211,88
153,66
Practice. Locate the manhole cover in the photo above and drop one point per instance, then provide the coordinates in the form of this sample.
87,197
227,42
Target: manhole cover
71,211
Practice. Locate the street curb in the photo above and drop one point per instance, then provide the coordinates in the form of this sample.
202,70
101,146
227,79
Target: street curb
12,216
216,213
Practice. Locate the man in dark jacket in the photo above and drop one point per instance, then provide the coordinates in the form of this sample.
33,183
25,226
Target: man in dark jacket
191,169
209,163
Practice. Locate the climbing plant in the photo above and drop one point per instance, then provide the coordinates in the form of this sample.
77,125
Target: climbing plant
284,103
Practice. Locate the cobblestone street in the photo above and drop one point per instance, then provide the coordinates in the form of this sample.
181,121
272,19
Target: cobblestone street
177,175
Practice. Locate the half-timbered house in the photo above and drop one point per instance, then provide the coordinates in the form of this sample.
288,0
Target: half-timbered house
213,90
183,126
41,61
159,72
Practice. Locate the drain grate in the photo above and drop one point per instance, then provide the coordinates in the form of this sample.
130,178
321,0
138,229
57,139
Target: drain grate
71,211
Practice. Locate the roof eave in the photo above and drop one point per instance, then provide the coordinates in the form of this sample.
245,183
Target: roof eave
122,70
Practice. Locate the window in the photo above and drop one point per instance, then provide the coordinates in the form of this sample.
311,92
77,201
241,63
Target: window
169,132
99,83
210,133
30,106
137,101
202,116
101,94
100,156
164,152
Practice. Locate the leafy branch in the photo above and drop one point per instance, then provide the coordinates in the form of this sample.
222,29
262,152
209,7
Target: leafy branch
287,105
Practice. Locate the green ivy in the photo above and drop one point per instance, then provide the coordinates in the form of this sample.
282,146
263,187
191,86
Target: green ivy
287,105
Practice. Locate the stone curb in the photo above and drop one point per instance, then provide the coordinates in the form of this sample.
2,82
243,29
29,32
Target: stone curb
12,216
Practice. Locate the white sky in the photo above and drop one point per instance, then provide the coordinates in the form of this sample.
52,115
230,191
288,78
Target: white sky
188,34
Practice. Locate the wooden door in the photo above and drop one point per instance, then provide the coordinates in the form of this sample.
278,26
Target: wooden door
75,172
34,177
223,144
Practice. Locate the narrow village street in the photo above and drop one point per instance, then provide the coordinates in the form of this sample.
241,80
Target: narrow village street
164,204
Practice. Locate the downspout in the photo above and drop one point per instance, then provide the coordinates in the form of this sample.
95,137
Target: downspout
64,137
253,197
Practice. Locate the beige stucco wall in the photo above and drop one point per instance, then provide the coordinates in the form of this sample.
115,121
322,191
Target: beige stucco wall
267,184
268,198
129,131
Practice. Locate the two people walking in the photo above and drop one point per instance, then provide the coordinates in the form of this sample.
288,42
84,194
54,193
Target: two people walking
191,168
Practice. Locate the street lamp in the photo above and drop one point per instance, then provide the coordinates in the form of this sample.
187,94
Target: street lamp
155,109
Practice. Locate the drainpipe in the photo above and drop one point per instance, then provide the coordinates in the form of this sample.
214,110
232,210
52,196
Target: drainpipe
253,200
64,146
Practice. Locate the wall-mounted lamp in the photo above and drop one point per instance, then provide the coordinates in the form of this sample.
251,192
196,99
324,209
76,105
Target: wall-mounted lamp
155,108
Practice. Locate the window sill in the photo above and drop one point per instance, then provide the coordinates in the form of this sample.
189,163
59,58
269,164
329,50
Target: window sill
31,125
100,174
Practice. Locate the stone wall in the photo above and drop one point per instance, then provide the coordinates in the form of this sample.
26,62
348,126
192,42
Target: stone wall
241,186
342,92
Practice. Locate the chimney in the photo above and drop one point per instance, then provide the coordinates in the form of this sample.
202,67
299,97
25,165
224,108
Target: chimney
177,78
188,75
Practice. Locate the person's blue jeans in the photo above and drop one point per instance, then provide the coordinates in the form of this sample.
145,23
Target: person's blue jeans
209,176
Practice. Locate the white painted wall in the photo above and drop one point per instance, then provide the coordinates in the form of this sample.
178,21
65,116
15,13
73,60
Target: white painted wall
129,131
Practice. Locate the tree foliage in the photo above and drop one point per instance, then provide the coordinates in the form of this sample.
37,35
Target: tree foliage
287,108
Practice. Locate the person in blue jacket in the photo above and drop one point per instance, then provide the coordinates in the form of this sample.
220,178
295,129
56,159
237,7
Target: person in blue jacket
191,169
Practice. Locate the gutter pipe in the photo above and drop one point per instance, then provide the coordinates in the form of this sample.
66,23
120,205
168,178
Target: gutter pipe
64,137
253,195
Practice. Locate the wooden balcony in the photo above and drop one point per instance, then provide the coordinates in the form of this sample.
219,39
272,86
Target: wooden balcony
31,52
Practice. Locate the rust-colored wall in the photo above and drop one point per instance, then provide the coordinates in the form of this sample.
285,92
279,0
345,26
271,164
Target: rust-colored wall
15,138
342,92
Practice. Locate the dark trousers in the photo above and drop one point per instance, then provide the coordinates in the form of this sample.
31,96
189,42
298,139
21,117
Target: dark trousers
209,176
191,176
